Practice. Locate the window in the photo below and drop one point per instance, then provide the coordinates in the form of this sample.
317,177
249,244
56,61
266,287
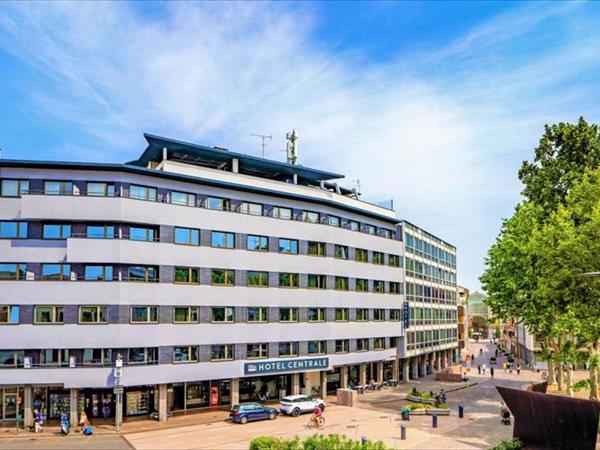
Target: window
334,221
254,209
287,349
340,251
282,213
342,314
93,314
58,188
222,240
144,314
362,345
257,279
394,260
142,273
379,287
183,198
95,189
316,248
257,243
393,342
370,229
97,357
9,314
291,280
317,347
59,272
221,352
142,193
189,275
257,351
377,258
379,315
142,355
186,354
362,314
354,225
341,283
362,285
221,204
288,246
258,314
316,314
10,358
56,231
386,233
288,314
13,271
394,287
51,357
187,236
13,230
222,277
395,315
342,346
14,188
379,343
98,273
48,314
222,314
142,234
186,314
317,281
312,217
100,232
361,255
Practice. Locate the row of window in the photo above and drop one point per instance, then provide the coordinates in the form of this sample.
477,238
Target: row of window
430,338
15,188
424,249
428,272
428,316
97,314
89,357
427,294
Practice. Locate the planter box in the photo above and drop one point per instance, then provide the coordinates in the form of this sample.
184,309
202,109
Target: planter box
418,412
438,412
428,401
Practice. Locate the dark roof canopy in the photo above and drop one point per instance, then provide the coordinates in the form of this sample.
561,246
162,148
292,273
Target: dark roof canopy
220,158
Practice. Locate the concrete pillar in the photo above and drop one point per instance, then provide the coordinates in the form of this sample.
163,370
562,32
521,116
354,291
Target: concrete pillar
163,408
362,374
396,369
323,384
433,362
295,383
406,370
27,406
415,368
235,391
380,371
344,377
73,407
423,365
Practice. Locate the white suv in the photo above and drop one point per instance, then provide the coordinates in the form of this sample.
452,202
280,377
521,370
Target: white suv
294,405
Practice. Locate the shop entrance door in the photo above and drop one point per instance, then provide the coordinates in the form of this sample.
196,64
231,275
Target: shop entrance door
9,406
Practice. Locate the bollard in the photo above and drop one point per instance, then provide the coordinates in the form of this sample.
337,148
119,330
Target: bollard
363,440
403,432
461,411
434,421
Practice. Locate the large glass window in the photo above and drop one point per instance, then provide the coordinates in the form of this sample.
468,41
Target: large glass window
395,315
9,314
257,243
341,251
317,347
394,287
254,209
342,346
222,314
379,286
370,229
10,358
98,273
95,189
56,231
142,192
317,281
60,272
287,349
288,246
186,314
362,345
394,260
316,315
282,213
100,232
222,240
183,198
362,285
342,314
142,234
93,314
288,314
258,314
11,271
223,277
379,343
334,221
379,315
312,217
14,188
54,357
257,351
185,354
143,274
142,355
257,279
291,280
316,248
144,314
377,258
13,230
221,204
361,255
222,352
187,275
362,314
48,314
97,357
187,236
354,225
58,188
341,283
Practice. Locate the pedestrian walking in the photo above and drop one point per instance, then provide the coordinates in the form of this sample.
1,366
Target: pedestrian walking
492,371
483,368
510,368
37,421
479,369
518,369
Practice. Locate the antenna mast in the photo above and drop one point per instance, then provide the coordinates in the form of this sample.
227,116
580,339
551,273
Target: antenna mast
292,147
263,137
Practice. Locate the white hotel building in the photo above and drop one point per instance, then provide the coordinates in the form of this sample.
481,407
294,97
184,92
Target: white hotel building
214,275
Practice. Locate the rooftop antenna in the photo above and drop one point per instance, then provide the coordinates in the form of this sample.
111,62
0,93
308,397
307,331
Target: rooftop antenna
263,137
292,147
358,186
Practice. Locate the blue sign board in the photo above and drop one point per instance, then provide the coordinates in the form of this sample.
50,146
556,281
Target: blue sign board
406,315
285,365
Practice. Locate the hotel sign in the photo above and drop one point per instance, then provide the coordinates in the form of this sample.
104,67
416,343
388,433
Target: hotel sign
406,314
285,365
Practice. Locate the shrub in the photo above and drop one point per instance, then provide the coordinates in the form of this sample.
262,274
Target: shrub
415,393
274,443
315,442
512,444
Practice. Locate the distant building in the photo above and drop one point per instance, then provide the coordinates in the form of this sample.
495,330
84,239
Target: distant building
463,317
480,316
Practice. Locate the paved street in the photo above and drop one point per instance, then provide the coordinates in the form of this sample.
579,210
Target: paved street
75,442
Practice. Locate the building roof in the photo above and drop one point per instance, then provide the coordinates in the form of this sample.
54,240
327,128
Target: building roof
217,158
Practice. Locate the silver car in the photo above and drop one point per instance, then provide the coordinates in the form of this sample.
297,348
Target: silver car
294,405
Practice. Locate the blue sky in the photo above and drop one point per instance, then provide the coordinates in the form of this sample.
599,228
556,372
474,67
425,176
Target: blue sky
432,104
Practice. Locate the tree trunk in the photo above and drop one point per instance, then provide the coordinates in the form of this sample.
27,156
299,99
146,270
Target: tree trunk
560,377
570,380
551,379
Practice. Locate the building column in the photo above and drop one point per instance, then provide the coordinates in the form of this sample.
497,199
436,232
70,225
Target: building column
27,406
323,384
379,366
362,374
163,408
415,368
235,391
396,369
423,365
434,362
73,407
344,377
406,370
295,383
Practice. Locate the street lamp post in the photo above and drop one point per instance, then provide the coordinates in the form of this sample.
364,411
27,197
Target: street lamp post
118,391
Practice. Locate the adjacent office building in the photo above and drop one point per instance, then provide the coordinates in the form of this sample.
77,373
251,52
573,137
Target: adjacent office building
213,276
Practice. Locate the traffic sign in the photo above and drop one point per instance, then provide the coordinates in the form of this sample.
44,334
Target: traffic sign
118,372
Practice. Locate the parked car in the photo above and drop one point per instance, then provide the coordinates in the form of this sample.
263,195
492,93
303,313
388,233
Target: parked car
294,405
247,412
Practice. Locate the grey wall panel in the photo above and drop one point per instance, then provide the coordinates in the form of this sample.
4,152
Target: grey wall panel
165,314
167,233
166,274
165,355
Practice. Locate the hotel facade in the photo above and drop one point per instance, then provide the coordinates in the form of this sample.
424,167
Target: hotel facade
213,277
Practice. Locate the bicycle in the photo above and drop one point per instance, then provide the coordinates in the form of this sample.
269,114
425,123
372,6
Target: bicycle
316,422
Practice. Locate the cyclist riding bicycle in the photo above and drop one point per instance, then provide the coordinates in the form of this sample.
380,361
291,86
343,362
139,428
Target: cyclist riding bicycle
317,413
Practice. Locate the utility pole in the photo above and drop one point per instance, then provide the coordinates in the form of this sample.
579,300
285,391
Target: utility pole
263,138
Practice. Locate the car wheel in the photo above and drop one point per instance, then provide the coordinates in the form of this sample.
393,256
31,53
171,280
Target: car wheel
272,416
244,420
296,412
322,407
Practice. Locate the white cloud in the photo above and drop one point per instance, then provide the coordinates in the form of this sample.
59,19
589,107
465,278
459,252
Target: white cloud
442,131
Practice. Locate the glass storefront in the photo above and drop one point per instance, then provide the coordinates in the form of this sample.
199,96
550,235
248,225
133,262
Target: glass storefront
333,381
253,389
139,400
9,403
99,403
